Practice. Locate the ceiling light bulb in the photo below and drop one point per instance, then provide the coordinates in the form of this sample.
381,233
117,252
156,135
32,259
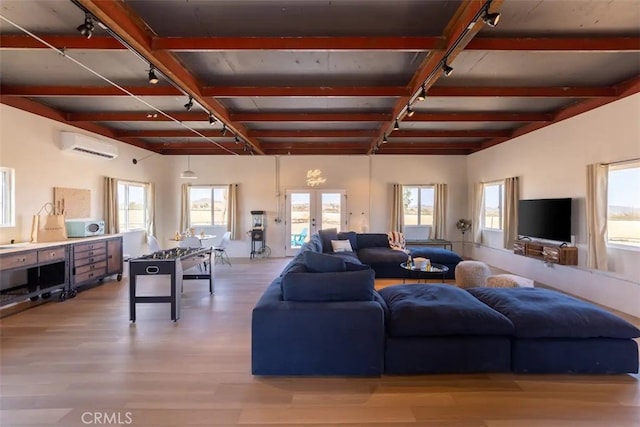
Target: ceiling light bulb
491,19
396,125
447,70
153,79
189,105
86,28
423,94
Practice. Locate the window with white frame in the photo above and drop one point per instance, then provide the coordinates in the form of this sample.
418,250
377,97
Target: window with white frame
132,206
208,205
7,197
492,211
418,204
623,204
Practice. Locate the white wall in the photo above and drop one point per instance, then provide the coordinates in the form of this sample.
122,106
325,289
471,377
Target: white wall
551,162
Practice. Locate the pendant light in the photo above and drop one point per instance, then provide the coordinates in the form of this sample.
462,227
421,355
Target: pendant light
188,174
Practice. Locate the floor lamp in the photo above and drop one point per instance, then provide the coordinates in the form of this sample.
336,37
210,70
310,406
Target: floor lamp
463,225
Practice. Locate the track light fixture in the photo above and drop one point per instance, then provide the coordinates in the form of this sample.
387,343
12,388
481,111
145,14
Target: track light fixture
86,29
189,104
153,79
396,125
410,111
446,69
212,119
384,139
236,139
224,129
491,19
423,94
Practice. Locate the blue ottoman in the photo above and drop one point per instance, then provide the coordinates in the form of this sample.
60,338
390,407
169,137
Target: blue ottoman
443,329
556,333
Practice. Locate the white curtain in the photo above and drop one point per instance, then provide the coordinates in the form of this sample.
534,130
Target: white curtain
511,197
232,212
440,211
151,209
397,209
478,204
597,182
184,207
111,205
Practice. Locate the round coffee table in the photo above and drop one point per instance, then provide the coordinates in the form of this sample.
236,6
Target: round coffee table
433,271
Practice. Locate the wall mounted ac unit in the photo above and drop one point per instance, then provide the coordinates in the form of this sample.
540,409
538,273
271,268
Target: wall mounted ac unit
83,144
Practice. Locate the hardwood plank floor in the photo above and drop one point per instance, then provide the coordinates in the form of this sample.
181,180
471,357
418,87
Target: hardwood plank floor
64,364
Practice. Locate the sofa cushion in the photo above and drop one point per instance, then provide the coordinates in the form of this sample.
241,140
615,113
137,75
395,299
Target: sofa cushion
378,255
326,236
347,257
372,240
351,236
317,287
341,246
439,310
437,255
322,263
543,313
296,265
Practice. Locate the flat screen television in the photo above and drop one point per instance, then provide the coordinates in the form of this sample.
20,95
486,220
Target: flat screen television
548,219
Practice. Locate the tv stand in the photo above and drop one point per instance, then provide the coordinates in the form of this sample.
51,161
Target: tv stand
547,252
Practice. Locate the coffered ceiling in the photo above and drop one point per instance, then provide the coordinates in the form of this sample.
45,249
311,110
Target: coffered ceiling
316,77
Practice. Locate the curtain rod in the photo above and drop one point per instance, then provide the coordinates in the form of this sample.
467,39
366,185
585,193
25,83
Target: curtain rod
620,162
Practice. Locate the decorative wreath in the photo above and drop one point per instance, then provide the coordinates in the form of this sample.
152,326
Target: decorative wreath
463,225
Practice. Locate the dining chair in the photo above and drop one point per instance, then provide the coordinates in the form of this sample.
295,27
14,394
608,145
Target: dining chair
193,242
152,243
220,251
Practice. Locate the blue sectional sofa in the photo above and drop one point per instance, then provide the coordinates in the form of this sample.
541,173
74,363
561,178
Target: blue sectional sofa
323,316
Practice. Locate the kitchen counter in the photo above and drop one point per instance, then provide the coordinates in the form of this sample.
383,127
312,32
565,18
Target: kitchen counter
27,246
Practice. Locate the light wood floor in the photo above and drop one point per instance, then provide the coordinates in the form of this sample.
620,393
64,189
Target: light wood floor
67,363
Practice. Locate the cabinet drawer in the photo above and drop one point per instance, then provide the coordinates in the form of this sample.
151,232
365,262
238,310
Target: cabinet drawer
81,247
51,255
551,254
90,275
18,260
98,266
93,253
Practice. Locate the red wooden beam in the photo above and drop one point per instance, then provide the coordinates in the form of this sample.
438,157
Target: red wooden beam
59,116
346,133
449,133
622,90
123,21
573,44
137,117
522,92
478,117
307,91
173,133
307,43
310,117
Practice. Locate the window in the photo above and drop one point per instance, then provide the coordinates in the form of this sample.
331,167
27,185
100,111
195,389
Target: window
418,204
132,206
493,205
7,197
623,204
208,205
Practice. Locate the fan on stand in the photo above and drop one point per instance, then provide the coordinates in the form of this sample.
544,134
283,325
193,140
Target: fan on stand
463,225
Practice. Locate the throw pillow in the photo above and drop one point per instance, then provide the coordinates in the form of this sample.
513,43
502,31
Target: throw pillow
341,246
322,263
351,236
396,240
326,236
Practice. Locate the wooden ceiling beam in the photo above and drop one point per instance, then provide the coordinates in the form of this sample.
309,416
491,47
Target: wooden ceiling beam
304,91
123,21
345,133
478,117
310,117
131,116
450,133
53,91
605,43
558,44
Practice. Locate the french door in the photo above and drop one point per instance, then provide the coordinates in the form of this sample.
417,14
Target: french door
308,211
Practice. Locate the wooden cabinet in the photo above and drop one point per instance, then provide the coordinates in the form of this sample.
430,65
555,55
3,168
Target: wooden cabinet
555,254
96,260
